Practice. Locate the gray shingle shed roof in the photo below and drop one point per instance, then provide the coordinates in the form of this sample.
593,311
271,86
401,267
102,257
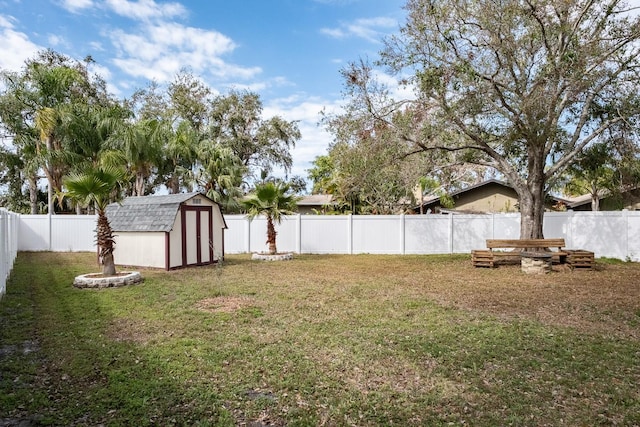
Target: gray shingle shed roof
147,213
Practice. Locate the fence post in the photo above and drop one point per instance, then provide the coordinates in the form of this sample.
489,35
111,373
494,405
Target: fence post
493,225
450,233
247,227
568,238
50,229
625,215
4,256
350,231
402,234
299,233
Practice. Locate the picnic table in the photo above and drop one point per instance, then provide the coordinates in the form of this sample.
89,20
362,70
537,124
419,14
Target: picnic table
504,250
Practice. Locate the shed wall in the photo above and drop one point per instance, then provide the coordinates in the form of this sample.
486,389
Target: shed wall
175,244
218,234
142,249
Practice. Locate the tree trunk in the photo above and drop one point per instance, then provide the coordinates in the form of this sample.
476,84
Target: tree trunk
531,197
271,236
139,185
174,184
595,203
108,265
531,216
33,194
106,244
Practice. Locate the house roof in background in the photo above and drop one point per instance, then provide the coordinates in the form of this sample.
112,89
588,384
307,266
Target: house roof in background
573,202
316,200
481,184
434,200
147,213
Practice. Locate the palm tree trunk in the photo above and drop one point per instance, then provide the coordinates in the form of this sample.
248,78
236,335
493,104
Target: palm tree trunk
108,265
139,185
106,244
271,236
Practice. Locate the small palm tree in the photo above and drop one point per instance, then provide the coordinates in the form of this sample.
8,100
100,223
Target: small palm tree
98,187
272,201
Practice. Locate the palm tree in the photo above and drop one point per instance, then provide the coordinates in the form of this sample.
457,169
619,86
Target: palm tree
272,201
219,173
140,145
98,186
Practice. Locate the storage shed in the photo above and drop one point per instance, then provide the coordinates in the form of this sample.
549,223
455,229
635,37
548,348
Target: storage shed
169,231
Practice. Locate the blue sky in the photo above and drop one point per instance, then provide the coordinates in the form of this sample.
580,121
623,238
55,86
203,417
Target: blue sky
288,51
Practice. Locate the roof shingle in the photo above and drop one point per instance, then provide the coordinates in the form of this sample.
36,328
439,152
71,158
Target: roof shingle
146,213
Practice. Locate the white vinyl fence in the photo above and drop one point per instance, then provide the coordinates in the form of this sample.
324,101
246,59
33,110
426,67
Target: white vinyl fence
9,222
57,233
608,234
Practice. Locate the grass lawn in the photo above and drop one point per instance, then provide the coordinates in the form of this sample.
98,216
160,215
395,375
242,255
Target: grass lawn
362,340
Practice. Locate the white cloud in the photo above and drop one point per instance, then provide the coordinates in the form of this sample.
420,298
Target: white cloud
146,9
100,70
396,91
55,40
16,45
76,5
370,29
97,46
159,51
141,10
305,111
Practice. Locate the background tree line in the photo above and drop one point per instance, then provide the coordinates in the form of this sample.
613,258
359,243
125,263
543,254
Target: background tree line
59,120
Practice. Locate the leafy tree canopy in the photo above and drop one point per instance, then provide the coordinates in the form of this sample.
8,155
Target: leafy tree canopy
519,86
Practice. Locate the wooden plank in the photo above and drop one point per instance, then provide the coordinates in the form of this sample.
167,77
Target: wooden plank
579,258
525,243
482,258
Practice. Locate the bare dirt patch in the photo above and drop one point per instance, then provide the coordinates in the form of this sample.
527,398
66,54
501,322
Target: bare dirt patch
225,304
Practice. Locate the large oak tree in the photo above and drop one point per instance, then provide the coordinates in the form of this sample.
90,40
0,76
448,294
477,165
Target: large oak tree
521,86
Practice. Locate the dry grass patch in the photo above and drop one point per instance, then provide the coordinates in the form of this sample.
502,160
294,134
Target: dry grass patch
127,330
225,304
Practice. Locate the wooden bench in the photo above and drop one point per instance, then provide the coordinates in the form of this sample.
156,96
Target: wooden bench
489,257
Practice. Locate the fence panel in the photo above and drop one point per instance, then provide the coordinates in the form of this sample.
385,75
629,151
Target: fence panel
236,236
432,236
610,234
58,233
504,226
325,234
34,233
633,236
604,233
471,231
9,223
377,234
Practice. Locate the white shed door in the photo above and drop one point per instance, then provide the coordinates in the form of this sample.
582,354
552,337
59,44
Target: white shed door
197,235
